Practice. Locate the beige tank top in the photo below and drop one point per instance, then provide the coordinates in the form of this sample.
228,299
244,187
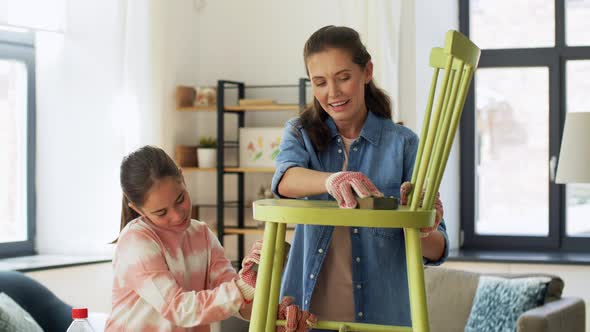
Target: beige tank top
333,297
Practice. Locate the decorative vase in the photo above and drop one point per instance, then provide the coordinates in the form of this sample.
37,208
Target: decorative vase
207,157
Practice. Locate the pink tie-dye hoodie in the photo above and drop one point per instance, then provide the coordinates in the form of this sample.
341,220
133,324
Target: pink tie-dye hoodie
172,279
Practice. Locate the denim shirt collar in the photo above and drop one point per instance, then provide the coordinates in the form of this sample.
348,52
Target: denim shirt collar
371,129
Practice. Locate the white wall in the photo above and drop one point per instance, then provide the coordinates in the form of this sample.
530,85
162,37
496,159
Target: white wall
83,286
80,132
260,43
84,128
78,144
433,19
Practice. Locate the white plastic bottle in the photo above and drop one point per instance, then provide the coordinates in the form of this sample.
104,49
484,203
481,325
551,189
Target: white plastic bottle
80,323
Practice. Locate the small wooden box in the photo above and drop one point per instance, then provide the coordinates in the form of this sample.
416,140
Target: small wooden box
186,156
185,96
377,203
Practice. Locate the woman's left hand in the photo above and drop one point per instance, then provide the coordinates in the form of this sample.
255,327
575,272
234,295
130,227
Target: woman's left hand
405,190
296,320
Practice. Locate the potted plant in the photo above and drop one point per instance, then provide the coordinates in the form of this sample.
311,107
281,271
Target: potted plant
207,152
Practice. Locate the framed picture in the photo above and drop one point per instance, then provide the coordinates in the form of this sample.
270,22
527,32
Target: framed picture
259,146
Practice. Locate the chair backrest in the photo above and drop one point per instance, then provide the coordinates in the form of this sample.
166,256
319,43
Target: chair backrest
458,61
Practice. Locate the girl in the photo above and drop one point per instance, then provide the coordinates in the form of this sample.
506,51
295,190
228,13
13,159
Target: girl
346,143
170,272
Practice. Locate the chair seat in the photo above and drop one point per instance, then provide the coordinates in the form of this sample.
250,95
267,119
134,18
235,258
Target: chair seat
327,213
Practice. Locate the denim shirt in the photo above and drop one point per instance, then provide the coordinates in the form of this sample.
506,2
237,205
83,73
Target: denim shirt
384,152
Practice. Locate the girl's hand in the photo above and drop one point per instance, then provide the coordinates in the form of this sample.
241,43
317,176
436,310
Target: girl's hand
341,185
297,320
248,273
405,190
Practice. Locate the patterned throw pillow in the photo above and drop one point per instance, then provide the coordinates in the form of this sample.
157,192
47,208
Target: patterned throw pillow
13,318
499,302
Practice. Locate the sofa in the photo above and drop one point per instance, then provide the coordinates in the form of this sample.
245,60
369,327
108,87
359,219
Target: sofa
450,295
53,314
49,312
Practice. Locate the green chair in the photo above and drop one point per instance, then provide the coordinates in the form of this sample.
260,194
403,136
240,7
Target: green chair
458,60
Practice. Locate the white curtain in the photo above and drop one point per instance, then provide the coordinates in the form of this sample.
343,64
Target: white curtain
99,95
379,24
40,15
142,95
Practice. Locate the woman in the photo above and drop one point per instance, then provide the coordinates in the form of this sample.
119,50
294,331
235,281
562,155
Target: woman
346,143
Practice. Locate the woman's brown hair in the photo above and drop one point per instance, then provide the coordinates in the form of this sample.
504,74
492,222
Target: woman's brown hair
313,118
139,171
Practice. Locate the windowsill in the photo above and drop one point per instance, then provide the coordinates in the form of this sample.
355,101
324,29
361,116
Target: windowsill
47,262
486,256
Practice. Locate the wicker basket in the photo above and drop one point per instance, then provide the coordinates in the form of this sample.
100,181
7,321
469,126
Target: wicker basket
185,96
186,156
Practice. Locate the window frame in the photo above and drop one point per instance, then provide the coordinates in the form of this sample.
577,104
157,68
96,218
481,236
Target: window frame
553,58
19,46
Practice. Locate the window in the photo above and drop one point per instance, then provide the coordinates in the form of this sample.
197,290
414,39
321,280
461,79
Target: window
534,68
17,143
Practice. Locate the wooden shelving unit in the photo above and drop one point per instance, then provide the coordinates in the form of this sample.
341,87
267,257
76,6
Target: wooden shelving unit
198,109
231,169
271,108
240,230
199,169
249,170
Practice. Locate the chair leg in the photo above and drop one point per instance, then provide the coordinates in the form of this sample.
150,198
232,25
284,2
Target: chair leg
275,282
261,294
416,284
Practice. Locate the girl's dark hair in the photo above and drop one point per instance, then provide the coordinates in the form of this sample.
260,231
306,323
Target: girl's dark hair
139,171
313,118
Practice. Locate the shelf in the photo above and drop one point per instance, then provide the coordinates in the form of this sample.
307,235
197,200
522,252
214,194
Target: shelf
228,204
250,169
231,169
199,169
249,230
240,208
197,109
273,107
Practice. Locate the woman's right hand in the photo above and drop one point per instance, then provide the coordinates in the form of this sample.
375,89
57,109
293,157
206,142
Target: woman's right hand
340,185
297,320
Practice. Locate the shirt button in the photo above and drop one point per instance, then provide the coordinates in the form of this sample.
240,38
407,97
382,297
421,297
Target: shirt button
360,314
356,230
320,250
354,149
339,150
306,301
311,276
338,139
358,286
358,259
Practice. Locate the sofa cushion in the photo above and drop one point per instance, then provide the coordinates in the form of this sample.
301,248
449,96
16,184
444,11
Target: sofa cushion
449,294
51,313
13,318
554,287
500,301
